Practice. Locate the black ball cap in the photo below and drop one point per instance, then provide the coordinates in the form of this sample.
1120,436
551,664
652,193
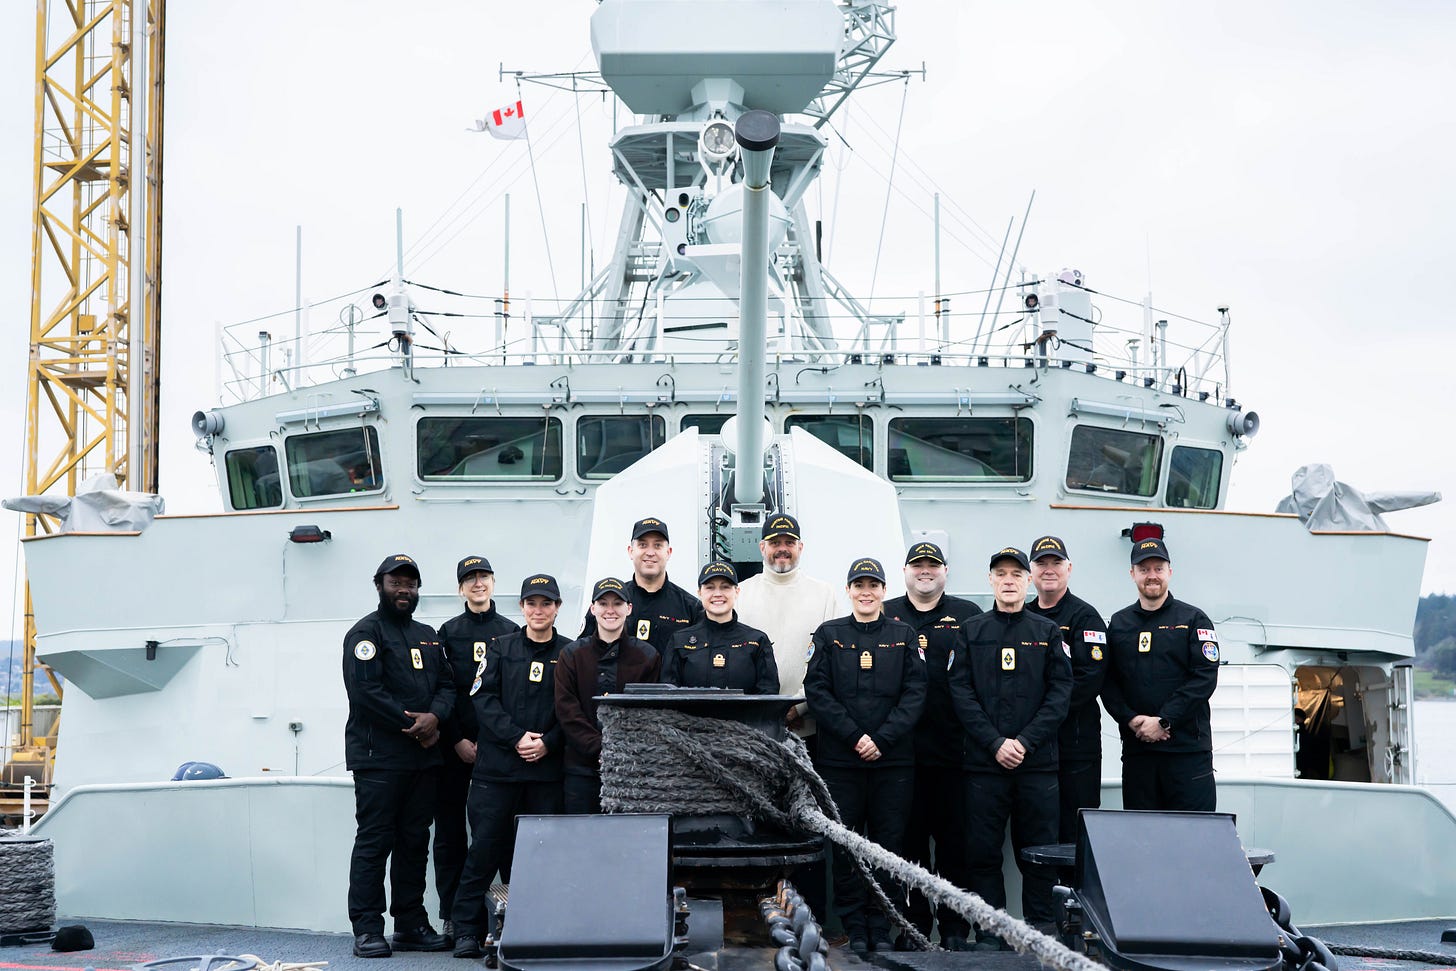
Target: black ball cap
472,564
718,569
608,585
757,130
781,524
925,551
866,566
649,525
398,563
1049,546
540,585
1150,549
1010,553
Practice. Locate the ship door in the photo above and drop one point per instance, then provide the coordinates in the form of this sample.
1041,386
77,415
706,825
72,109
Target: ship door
1402,725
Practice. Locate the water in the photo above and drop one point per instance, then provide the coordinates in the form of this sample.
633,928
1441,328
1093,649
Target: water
1436,748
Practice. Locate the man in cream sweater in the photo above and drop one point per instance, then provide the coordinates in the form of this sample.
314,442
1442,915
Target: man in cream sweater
788,606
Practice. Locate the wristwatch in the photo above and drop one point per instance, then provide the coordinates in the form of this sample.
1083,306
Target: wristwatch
1164,724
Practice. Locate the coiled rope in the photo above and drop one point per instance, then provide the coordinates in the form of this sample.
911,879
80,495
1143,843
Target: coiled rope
656,761
27,884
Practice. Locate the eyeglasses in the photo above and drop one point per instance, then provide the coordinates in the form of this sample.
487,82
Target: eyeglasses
479,576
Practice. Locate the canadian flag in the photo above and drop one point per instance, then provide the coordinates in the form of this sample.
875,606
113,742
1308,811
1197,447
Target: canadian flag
508,122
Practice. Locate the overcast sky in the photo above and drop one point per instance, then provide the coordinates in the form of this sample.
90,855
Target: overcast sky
1291,160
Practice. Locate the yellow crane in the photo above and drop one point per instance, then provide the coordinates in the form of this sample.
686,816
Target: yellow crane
96,243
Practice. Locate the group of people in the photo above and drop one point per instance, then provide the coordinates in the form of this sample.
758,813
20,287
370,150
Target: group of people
934,724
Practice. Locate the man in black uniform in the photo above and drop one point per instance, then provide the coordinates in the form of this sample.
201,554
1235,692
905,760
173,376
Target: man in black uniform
866,686
1084,638
466,638
938,809
518,755
1010,682
400,690
1162,671
603,662
660,608
719,651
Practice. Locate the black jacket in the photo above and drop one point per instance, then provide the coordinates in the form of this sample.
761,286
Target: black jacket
1162,662
938,735
390,668
627,661
1010,678
712,655
1084,635
466,638
865,679
514,692
655,616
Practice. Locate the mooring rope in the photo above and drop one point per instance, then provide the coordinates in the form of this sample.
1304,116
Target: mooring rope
27,884
1393,954
656,761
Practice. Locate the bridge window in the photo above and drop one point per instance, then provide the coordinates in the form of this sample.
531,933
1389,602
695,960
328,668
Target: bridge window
1193,477
489,448
706,424
252,475
607,444
1114,460
960,449
851,435
334,463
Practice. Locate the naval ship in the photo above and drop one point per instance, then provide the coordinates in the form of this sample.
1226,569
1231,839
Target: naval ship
714,372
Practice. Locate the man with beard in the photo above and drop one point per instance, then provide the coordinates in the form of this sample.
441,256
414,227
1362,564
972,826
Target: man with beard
602,662
938,809
1084,638
788,605
466,638
518,761
1162,669
660,608
399,690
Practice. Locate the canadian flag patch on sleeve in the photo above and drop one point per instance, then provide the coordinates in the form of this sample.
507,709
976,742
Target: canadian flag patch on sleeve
1094,636
1207,635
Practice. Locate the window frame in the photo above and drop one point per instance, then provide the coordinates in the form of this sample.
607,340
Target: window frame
557,422
652,417
794,420
1218,476
1016,421
278,466
371,435
1154,494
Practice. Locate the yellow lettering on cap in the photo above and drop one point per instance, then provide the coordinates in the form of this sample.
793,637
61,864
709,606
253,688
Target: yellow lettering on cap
535,580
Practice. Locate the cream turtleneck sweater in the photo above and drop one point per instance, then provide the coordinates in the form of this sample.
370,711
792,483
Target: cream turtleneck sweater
788,607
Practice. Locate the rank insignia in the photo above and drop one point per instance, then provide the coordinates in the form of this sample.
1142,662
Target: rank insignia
365,650
719,661
1145,641
866,661
644,629
479,651
924,643
1096,652
417,659
1008,659
537,670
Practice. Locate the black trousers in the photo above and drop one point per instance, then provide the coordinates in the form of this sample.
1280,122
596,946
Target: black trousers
451,844
392,811
875,802
1180,781
1028,800
1079,786
493,808
937,813
582,794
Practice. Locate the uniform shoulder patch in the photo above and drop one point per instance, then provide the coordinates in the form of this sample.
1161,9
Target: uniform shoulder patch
1096,653
1210,650
810,655
365,650
1094,636
1207,635
951,661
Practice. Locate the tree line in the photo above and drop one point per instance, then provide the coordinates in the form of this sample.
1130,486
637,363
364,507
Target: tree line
1435,635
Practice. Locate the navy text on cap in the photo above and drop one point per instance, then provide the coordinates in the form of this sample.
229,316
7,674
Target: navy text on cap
472,564
608,585
719,569
925,551
1049,546
1010,553
781,524
1149,549
540,585
866,566
649,525
398,563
